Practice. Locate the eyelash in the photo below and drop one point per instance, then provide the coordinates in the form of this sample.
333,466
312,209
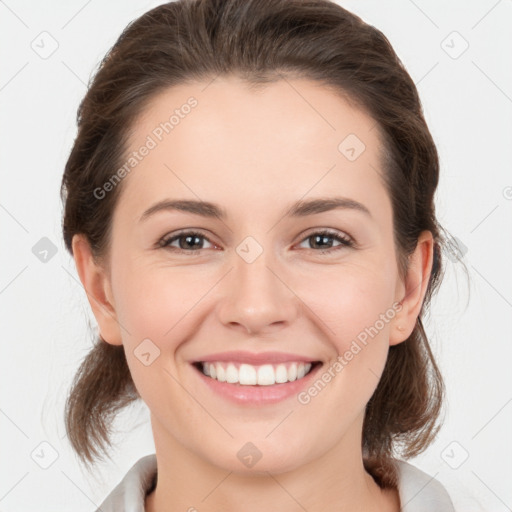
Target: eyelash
345,240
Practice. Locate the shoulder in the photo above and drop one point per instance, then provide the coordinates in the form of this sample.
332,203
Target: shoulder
130,493
420,492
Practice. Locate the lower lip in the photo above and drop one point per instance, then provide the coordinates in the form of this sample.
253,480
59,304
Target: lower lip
258,395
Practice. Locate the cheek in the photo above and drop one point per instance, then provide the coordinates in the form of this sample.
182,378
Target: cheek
151,302
166,305
355,306
159,309
350,299
162,308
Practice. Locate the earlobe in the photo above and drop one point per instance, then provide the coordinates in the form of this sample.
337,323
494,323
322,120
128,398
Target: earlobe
98,288
413,289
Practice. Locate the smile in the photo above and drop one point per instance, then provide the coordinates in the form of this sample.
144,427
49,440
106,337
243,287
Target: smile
251,375
255,379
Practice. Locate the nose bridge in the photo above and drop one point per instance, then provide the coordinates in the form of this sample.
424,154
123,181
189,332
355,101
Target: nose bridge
257,296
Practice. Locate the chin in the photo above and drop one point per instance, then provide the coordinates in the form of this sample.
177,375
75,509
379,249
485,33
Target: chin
260,458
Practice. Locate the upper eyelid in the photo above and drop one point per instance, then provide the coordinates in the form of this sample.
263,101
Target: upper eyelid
328,231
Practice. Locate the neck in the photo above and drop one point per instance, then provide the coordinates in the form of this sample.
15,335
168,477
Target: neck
335,481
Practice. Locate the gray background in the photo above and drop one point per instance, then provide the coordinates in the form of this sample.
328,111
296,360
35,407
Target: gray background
49,51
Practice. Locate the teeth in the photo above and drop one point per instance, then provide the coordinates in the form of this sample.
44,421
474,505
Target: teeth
281,374
231,374
221,373
249,375
266,375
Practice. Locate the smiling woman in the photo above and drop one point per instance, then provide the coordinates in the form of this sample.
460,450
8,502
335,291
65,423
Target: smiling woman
272,254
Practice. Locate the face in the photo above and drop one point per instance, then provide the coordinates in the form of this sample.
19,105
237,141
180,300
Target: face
258,273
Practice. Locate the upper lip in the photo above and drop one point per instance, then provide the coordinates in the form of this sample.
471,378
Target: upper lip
254,358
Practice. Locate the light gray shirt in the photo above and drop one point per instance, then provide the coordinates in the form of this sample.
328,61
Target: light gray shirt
418,491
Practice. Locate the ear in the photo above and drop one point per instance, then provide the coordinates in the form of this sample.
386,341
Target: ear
411,291
96,283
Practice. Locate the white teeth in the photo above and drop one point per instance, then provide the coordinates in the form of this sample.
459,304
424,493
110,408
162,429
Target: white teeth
292,372
281,374
231,373
266,375
249,375
221,373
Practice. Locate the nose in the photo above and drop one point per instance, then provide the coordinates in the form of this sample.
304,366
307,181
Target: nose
257,297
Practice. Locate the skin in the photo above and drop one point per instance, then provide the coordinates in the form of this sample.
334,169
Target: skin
255,153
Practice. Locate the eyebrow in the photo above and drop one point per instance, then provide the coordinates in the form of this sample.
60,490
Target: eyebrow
299,209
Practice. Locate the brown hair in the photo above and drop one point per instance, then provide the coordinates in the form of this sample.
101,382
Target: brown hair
260,41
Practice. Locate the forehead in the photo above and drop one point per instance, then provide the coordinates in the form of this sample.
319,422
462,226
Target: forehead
220,138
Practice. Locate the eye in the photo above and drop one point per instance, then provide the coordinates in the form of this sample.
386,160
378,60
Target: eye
319,239
188,242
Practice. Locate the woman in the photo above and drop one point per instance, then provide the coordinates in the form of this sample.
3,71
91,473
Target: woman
250,205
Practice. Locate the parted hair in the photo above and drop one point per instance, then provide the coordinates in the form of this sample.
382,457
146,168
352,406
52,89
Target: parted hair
261,41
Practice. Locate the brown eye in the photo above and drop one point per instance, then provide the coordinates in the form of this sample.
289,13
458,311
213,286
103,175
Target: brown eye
322,241
188,241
